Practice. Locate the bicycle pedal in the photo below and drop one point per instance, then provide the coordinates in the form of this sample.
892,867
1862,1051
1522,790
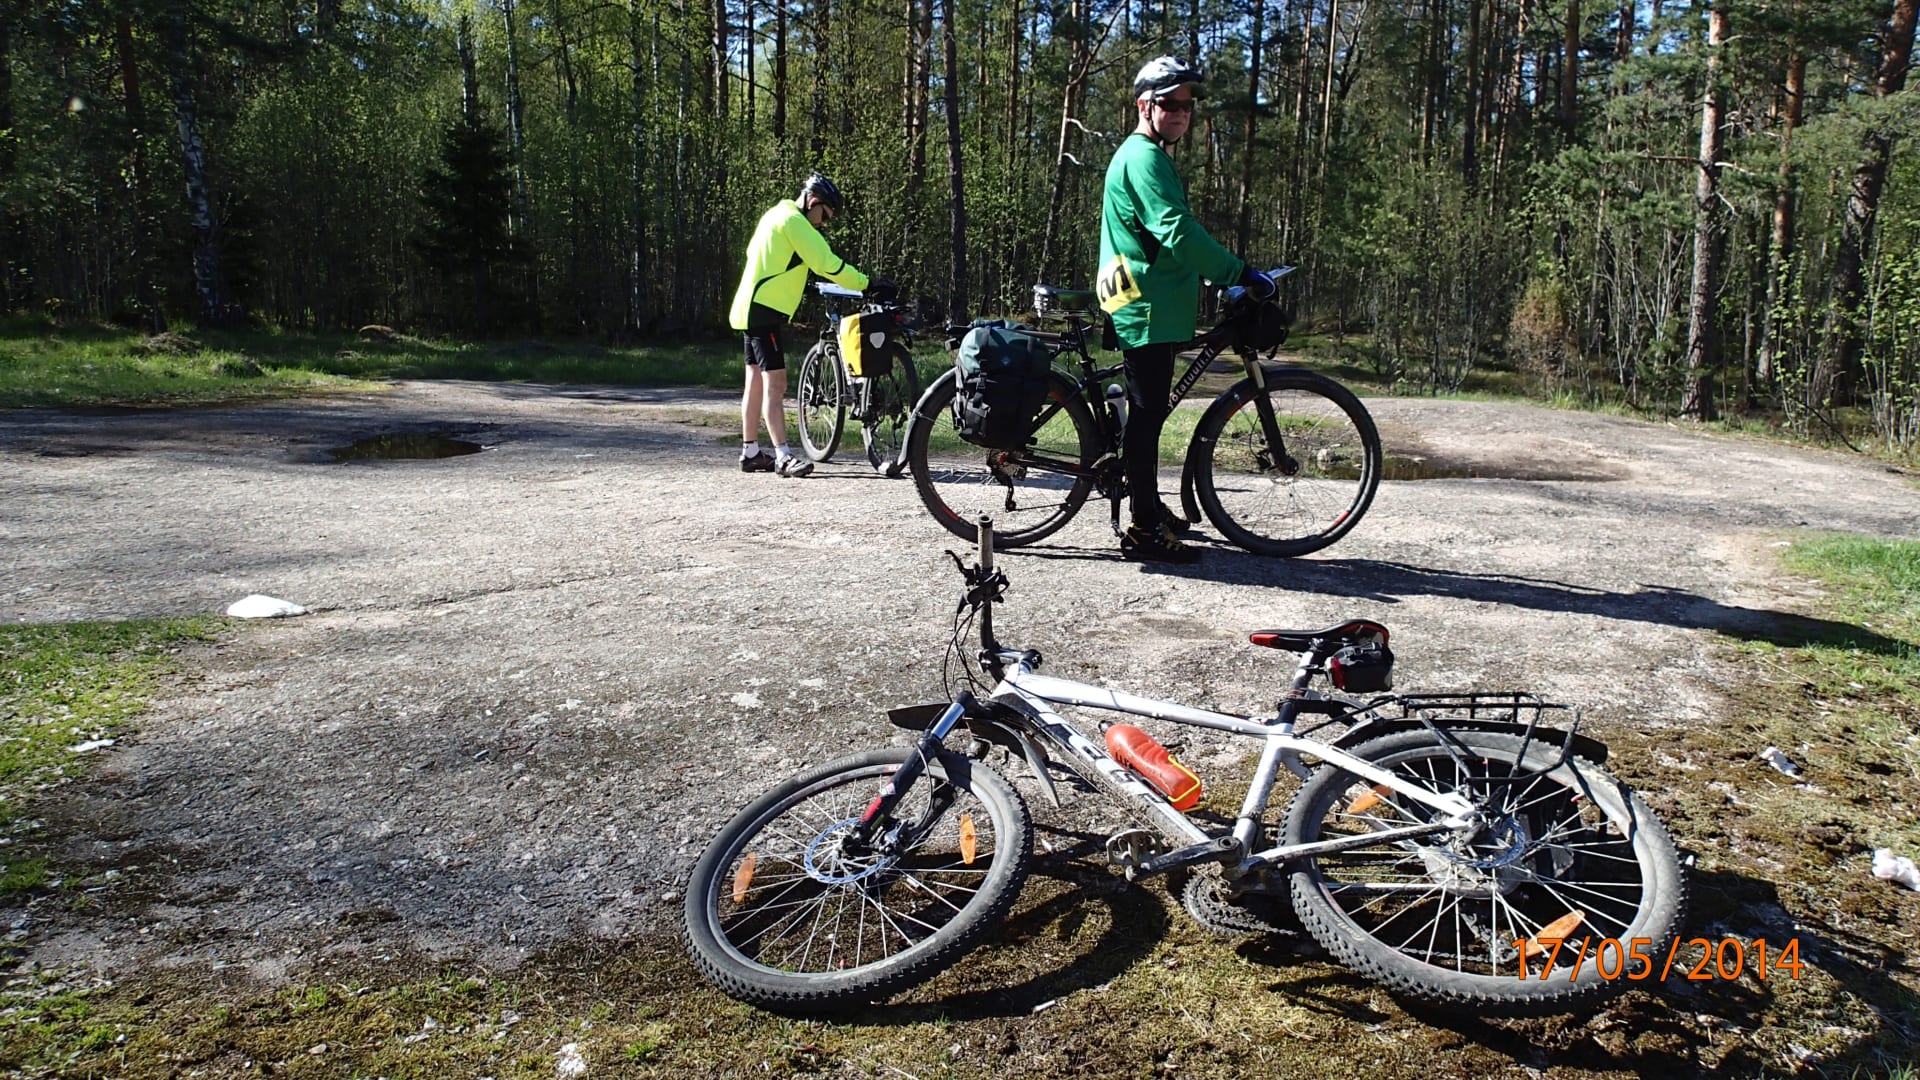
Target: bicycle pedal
1129,849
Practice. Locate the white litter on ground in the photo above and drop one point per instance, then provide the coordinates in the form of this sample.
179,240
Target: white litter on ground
1889,867
91,745
747,700
568,1064
256,606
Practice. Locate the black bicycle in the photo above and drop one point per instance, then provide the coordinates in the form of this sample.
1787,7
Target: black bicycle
880,395
1283,463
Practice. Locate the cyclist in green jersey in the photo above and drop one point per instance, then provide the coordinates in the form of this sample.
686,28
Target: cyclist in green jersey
785,246
1153,253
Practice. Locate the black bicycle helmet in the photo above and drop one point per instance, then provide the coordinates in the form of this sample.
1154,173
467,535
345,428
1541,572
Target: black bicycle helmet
1163,74
823,189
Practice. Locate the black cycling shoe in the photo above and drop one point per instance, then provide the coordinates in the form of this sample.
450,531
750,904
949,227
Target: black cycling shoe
1156,544
1175,524
760,462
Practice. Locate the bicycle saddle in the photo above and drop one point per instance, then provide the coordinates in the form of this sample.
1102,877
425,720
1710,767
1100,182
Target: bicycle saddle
1352,632
1067,299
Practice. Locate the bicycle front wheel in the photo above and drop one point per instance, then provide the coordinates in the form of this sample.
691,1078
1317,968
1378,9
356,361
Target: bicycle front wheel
890,401
786,910
1561,850
1030,494
822,407
1300,493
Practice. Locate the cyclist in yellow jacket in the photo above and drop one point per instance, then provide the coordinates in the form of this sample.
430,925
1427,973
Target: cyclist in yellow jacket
786,245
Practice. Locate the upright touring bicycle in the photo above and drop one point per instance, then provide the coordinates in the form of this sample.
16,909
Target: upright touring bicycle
1284,462
880,394
1440,844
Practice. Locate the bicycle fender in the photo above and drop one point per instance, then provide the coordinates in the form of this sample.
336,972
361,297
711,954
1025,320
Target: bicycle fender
1584,746
985,727
920,413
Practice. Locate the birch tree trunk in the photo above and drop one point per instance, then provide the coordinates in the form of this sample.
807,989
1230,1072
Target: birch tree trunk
1703,339
469,74
1470,134
209,303
516,122
637,173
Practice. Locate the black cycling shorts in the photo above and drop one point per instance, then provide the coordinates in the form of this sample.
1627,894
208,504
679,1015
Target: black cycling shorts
763,351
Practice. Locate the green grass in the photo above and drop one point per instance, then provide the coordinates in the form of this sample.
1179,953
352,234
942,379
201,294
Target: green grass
62,686
97,366
1838,690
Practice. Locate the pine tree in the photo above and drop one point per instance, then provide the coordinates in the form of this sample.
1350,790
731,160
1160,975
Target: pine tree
468,234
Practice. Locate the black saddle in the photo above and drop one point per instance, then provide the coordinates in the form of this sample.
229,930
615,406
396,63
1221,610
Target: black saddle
1352,632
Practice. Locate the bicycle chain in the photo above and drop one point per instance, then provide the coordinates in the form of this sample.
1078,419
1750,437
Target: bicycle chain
1205,899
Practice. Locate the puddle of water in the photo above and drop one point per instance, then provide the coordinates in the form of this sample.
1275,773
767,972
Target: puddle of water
398,447
1410,468
1401,468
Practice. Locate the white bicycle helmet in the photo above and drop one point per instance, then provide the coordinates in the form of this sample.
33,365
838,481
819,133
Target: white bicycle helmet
1163,74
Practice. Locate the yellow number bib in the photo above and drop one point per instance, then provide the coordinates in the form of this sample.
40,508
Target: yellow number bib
1116,287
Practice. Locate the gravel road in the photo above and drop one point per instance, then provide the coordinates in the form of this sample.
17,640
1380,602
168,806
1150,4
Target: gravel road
535,679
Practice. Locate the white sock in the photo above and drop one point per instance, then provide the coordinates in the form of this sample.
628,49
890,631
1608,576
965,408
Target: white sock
783,453
747,450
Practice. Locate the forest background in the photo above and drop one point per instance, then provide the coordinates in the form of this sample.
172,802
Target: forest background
1697,208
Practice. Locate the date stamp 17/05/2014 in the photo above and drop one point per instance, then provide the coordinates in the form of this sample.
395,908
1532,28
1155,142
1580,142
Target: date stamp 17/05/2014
1635,959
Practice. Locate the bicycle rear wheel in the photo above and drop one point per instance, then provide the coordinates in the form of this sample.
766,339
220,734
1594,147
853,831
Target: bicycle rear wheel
822,407
1029,494
1562,850
890,401
786,911
1308,495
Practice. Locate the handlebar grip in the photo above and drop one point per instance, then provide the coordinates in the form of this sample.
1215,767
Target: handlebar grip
986,543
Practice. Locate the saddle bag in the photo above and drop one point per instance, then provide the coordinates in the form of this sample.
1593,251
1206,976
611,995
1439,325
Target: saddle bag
1001,385
1365,668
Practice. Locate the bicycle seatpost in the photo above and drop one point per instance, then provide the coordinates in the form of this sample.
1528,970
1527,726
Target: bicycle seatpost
987,643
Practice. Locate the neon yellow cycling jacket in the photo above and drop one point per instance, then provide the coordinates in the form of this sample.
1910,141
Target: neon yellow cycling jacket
785,246
1153,251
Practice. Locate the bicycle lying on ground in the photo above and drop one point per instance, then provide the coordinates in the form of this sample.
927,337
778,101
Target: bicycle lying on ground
1283,463
1443,845
880,395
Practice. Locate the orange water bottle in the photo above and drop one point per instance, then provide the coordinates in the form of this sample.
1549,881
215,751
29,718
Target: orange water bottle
1138,751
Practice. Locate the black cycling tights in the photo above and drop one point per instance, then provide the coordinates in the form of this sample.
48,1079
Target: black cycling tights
1149,384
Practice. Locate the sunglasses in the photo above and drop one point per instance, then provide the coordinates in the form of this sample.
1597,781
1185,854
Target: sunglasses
1173,105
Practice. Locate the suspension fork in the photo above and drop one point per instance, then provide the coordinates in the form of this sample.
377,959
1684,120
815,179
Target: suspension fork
1269,423
925,748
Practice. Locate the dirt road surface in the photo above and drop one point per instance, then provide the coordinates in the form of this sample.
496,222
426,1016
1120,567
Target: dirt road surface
535,679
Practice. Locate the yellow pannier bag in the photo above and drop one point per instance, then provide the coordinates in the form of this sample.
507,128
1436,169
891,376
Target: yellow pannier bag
866,343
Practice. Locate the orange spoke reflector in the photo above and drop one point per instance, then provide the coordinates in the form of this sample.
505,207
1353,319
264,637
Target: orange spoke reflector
742,878
969,839
1557,930
1369,799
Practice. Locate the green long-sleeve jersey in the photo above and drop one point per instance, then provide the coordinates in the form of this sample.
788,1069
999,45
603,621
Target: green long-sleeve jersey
784,247
1153,251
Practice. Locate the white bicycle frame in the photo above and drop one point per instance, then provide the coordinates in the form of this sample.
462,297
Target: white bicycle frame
1033,695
